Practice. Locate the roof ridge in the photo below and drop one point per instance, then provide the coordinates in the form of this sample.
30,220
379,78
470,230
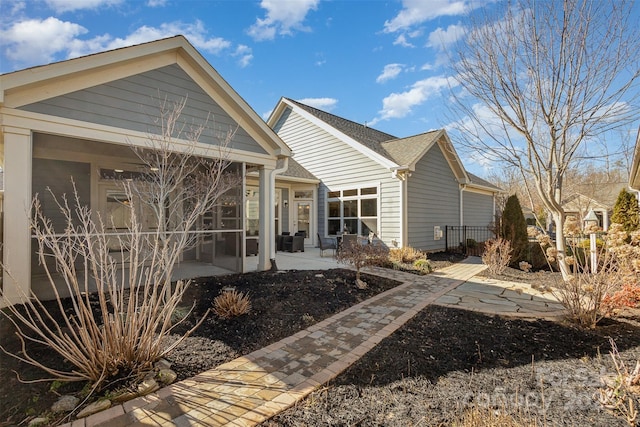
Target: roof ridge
314,109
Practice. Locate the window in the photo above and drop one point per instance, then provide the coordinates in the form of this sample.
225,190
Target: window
252,211
306,194
353,210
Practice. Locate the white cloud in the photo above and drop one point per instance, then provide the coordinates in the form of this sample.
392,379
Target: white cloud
156,3
196,33
401,40
245,55
391,71
36,41
61,6
283,16
415,12
441,39
326,104
398,105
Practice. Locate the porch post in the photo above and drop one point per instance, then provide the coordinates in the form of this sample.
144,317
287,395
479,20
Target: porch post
265,221
17,203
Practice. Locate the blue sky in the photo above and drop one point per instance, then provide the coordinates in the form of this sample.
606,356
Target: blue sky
383,63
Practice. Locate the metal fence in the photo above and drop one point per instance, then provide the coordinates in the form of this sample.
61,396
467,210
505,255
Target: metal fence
466,239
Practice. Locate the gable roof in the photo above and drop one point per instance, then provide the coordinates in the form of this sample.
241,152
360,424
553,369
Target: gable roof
634,174
390,151
295,170
23,87
476,181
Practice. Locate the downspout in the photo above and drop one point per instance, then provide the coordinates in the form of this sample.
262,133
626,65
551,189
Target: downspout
462,187
272,211
402,174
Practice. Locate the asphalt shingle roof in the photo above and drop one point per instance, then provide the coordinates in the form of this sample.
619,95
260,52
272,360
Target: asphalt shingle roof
402,151
295,170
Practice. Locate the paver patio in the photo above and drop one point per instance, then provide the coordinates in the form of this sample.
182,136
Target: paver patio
253,388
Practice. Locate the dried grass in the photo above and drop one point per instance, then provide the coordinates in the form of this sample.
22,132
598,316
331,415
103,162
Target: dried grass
231,303
406,255
621,393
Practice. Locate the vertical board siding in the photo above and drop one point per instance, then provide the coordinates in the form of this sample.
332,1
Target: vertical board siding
134,103
477,209
433,200
338,165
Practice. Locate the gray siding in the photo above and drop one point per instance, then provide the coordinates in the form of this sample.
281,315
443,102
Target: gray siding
284,221
433,200
339,166
133,103
477,209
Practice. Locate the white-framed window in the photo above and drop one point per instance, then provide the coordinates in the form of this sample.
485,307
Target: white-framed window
353,210
252,210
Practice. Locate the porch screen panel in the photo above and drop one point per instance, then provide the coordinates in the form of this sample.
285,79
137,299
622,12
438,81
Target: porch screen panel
56,175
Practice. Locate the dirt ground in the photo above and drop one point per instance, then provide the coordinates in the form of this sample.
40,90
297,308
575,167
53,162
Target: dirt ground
427,373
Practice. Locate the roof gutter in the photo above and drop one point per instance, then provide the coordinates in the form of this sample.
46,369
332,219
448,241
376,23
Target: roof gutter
401,172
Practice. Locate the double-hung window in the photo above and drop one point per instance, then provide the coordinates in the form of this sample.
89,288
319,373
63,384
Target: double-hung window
353,211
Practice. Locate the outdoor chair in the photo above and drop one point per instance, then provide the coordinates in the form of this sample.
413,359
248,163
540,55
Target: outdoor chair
349,239
326,243
293,243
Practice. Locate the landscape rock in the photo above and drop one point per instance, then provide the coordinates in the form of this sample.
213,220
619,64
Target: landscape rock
147,386
167,376
162,364
124,396
40,421
65,404
94,407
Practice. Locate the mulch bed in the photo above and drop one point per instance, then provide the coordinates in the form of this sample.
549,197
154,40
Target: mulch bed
427,373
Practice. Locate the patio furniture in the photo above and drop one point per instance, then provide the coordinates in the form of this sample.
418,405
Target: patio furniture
349,239
293,243
326,243
251,247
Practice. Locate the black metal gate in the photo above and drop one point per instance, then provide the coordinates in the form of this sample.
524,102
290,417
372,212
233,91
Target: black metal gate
466,239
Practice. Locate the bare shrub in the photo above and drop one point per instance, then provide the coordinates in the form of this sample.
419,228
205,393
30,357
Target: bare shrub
621,391
593,291
361,255
497,255
136,299
231,303
135,303
406,255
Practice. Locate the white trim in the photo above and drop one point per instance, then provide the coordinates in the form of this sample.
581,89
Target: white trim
358,197
341,136
470,188
43,123
39,83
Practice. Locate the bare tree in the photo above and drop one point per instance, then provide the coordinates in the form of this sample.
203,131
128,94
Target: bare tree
178,183
542,81
178,188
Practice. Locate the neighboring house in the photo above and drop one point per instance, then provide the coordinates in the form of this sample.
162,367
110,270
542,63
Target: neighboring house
78,118
634,175
405,190
601,201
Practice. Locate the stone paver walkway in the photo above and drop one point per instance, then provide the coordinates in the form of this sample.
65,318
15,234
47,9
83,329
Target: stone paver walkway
253,388
500,297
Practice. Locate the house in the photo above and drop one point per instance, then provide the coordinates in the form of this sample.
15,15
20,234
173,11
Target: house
405,190
599,198
634,175
79,118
